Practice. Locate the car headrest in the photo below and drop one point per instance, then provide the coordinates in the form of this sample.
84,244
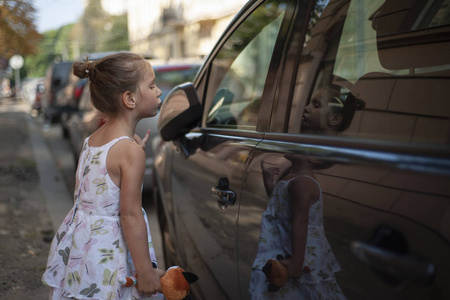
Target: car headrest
411,34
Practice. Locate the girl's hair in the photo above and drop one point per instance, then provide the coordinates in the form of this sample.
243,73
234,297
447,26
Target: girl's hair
343,103
110,77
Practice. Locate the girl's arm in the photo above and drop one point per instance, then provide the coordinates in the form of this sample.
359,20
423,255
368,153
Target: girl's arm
132,166
302,192
269,175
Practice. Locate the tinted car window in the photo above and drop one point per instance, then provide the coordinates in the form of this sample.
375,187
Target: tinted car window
383,68
239,71
61,73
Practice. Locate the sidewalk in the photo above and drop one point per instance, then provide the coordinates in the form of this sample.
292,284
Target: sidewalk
25,223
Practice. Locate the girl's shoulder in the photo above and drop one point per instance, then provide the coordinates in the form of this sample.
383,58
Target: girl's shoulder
98,141
126,148
304,184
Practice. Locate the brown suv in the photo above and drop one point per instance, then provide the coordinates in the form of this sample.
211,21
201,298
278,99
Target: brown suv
318,131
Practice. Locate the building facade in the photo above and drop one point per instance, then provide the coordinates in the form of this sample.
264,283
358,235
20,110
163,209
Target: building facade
178,28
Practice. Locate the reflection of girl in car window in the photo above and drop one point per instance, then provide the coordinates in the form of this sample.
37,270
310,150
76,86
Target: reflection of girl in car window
292,226
328,111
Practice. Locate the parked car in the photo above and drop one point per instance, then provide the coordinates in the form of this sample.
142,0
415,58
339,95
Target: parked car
56,78
28,88
353,94
83,122
68,100
168,75
36,107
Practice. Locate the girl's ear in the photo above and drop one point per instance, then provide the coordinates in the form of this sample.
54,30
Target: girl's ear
335,119
128,100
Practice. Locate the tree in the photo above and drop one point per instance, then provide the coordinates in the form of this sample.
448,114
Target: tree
115,35
92,23
18,34
54,46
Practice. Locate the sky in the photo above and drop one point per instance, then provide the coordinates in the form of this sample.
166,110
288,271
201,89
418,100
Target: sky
52,14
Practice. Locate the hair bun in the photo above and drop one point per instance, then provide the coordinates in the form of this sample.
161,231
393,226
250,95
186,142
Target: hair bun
84,69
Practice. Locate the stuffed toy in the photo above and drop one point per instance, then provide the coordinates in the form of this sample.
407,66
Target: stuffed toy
175,283
276,273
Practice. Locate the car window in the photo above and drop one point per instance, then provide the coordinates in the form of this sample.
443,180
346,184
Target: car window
239,70
168,78
376,70
61,74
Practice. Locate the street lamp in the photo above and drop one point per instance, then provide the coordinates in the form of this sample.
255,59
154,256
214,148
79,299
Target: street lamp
16,62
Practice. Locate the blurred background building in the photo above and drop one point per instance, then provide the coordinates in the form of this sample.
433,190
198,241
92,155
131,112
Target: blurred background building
178,28
161,29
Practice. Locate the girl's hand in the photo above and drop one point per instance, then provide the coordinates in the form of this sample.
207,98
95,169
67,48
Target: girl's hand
142,142
294,271
149,282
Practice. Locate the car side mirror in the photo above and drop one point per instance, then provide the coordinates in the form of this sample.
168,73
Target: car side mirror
180,112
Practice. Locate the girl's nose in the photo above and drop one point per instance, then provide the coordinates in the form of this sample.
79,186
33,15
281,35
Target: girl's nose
308,108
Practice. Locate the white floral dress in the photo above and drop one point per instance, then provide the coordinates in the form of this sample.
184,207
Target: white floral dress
88,254
317,281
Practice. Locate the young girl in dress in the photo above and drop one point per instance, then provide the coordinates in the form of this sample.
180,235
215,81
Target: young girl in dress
292,224
106,236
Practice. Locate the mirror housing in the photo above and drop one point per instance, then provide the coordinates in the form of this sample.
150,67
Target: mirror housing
180,112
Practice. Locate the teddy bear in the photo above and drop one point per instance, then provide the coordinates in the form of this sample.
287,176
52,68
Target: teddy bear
175,284
276,273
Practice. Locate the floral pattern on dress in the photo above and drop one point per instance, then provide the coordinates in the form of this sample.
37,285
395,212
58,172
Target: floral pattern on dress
89,254
319,266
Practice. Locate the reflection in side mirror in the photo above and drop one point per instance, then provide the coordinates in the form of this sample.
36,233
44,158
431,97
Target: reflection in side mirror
180,112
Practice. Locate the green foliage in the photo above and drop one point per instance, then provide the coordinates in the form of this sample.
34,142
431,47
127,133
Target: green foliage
18,34
116,37
95,31
54,46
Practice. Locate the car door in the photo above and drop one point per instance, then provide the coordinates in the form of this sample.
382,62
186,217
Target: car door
208,164
379,155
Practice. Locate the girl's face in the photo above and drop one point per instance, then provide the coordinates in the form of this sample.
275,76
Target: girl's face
316,114
147,95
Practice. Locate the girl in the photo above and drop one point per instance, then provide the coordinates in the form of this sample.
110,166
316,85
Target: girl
107,230
327,113
292,224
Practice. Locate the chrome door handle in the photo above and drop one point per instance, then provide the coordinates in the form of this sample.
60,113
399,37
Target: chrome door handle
223,194
399,265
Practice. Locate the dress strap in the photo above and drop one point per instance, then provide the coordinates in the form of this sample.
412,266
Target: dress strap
313,179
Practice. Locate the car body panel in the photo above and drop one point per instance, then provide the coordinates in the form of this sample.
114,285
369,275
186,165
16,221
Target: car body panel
383,177
204,229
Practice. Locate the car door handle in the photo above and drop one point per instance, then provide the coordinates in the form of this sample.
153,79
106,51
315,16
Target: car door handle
223,194
399,265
